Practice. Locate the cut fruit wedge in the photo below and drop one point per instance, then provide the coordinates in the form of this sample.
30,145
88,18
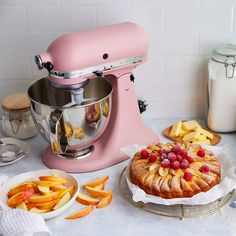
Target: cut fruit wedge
58,188
42,205
53,179
96,192
18,189
43,189
44,198
105,201
39,211
81,213
97,181
20,197
87,200
66,198
100,187
46,183
22,206
67,190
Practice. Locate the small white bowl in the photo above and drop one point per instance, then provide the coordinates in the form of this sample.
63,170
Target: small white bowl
12,182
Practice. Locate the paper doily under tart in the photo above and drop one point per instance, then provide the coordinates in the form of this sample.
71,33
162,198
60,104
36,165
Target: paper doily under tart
173,211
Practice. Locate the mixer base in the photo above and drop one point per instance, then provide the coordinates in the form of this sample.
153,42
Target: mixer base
77,153
88,163
104,154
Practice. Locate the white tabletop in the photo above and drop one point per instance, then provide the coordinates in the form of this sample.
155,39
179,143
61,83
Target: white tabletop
121,218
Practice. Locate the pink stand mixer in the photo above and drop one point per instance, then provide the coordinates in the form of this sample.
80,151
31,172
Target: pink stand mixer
87,108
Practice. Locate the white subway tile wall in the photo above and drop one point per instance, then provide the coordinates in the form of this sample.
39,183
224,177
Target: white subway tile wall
182,34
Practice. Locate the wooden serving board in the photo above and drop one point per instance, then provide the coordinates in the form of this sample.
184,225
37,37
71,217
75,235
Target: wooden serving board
166,132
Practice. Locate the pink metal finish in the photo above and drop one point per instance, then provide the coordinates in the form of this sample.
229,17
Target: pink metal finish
77,51
125,127
80,50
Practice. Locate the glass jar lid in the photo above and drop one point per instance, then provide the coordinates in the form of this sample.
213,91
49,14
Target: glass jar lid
225,54
18,102
223,51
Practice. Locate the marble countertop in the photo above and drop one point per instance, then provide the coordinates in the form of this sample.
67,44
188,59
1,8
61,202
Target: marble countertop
121,218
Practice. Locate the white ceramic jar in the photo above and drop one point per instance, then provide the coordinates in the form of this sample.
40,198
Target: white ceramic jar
222,89
17,121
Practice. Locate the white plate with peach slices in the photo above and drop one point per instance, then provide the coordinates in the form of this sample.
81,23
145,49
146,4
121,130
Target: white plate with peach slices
47,192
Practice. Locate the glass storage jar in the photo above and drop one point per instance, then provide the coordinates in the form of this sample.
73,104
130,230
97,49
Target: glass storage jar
222,89
17,121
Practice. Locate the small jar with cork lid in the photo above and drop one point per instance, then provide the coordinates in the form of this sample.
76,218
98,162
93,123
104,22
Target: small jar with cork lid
17,121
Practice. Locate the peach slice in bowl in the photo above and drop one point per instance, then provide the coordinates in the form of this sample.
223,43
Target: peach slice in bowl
50,197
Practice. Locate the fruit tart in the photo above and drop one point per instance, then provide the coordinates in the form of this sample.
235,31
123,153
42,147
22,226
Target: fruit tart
174,170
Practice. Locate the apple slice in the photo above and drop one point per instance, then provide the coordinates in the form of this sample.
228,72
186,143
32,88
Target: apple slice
81,213
105,201
96,192
42,205
44,198
87,200
39,211
100,187
97,181
52,178
22,206
58,188
43,189
69,189
46,183
66,198
18,189
20,197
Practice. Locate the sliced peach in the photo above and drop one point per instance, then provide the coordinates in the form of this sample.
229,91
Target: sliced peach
97,181
39,211
20,197
81,213
43,189
22,206
53,179
66,198
87,200
44,198
100,187
105,201
58,188
70,189
46,183
42,205
96,192
18,189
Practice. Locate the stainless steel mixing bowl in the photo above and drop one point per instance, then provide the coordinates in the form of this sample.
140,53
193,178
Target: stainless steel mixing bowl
71,120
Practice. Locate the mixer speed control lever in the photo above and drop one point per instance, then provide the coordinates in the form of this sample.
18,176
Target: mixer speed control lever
132,78
142,106
48,65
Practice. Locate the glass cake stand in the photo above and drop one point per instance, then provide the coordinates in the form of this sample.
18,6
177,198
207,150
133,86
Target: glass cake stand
175,211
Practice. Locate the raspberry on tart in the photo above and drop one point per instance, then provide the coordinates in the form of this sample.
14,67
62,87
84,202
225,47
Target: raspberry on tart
188,176
152,158
190,159
172,157
144,153
184,164
175,165
201,153
205,169
165,163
